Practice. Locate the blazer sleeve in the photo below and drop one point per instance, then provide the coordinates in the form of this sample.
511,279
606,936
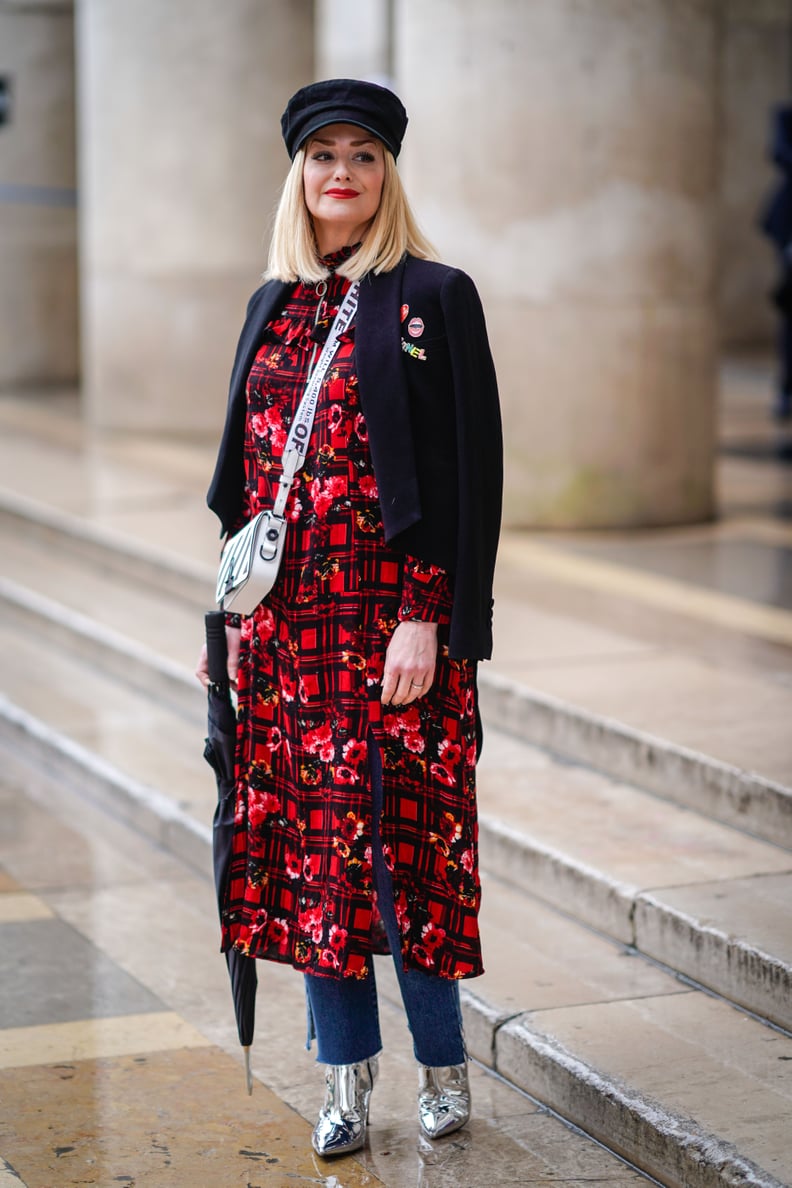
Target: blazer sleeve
480,466
226,489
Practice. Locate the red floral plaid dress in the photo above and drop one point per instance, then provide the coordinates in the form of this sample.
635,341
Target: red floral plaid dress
311,667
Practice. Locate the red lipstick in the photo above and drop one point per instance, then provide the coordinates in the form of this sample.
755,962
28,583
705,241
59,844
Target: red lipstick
341,193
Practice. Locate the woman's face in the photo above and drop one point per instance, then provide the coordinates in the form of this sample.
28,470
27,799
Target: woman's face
342,180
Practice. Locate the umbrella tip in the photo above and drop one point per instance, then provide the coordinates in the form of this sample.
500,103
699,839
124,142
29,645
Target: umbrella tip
248,1073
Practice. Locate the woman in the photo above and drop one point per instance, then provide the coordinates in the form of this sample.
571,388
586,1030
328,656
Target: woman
358,727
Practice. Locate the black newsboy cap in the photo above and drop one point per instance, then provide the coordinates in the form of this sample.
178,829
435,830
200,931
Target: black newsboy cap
344,101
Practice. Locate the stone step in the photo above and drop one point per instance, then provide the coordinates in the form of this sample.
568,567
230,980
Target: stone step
28,740
683,1085
154,743
147,667
156,596
697,895
693,780
56,534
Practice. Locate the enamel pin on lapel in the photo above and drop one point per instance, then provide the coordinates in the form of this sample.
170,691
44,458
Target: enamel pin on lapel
414,351
415,328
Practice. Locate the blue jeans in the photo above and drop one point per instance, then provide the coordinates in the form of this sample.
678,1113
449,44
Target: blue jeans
343,1013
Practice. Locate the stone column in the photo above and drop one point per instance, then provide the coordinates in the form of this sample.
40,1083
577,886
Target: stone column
180,164
563,152
38,219
353,40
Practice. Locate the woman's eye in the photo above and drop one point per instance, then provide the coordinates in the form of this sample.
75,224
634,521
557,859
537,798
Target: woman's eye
364,157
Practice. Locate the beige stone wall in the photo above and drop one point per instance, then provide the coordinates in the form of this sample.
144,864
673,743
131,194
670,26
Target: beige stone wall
180,164
563,152
353,39
596,165
756,73
38,221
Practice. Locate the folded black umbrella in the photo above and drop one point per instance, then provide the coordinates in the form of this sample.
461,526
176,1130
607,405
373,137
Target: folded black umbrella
219,753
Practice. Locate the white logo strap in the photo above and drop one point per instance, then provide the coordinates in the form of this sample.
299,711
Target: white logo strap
300,432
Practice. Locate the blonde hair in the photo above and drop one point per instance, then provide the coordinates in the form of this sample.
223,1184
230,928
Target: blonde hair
392,232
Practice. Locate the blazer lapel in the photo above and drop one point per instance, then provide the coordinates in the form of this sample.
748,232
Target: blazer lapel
384,399
265,304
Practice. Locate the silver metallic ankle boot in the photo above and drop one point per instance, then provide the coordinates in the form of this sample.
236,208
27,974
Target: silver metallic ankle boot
443,1099
341,1127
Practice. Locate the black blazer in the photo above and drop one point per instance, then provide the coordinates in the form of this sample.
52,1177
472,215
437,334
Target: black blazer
431,406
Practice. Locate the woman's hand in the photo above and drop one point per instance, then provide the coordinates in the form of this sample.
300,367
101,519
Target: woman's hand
409,662
233,637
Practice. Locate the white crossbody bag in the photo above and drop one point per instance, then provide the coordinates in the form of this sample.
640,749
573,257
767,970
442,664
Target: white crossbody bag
252,557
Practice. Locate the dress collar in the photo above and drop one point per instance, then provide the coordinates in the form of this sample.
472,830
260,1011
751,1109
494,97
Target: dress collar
333,259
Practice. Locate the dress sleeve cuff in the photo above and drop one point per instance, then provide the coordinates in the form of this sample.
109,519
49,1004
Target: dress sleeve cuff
426,592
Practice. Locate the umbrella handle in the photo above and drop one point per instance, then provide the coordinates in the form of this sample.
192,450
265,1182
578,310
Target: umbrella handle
216,647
